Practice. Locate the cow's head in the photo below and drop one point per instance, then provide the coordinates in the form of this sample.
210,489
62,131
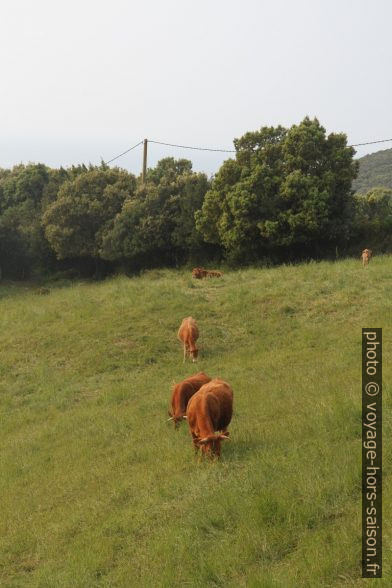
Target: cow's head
176,420
366,255
194,352
212,443
197,273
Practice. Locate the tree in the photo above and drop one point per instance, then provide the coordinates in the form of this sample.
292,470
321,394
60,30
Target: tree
287,193
14,256
23,247
156,226
372,225
24,182
84,210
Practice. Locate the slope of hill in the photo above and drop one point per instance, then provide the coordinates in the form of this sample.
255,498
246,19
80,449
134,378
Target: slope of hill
97,488
374,170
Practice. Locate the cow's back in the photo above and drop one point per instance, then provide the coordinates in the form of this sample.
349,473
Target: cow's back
188,329
223,393
211,407
198,380
183,391
193,328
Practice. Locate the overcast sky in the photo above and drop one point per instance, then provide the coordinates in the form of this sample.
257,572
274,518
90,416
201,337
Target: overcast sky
84,80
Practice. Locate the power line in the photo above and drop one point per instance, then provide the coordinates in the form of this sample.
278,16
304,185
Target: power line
234,150
371,143
219,150
121,154
195,148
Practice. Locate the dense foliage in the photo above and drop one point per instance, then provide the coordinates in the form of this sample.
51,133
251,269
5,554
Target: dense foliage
287,195
23,192
156,224
373,219
374,170
76,222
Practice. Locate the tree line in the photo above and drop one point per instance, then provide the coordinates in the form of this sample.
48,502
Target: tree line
285,196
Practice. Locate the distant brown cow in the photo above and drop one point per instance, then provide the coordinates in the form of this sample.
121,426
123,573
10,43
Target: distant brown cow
214,274
366,255
188,333
181,395
210,410
200,273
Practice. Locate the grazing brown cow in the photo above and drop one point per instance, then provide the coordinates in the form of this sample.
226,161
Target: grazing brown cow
200,273
366,255
181,395
210,410
188,333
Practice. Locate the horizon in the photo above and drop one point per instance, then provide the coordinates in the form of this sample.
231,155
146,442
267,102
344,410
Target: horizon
139,151
83,83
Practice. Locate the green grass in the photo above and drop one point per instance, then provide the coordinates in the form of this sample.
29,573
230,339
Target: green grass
98,490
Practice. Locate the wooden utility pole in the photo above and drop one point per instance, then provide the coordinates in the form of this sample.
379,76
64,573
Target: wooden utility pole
144,171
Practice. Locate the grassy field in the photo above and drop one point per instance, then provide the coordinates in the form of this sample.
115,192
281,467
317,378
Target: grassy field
98,490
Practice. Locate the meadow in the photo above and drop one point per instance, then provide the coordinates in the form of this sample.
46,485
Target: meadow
98,490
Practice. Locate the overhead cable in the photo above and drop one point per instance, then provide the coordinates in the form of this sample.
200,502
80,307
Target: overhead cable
218,150
121,154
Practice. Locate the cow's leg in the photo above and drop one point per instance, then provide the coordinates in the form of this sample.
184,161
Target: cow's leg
184,353
195,440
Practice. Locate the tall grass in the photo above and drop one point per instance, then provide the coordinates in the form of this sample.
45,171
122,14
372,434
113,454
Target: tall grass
98,490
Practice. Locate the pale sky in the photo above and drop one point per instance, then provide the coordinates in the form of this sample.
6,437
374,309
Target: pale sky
84,80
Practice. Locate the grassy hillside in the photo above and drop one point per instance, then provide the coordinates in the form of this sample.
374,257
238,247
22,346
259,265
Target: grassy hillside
374,170
97,488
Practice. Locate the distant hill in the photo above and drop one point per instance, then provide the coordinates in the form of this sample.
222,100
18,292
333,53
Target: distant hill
374,170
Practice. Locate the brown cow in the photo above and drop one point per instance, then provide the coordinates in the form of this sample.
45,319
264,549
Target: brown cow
210,410
188,333
214,274
181,395
200,272
366,255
